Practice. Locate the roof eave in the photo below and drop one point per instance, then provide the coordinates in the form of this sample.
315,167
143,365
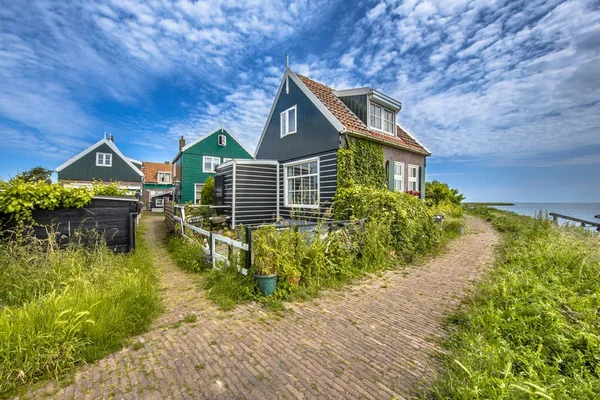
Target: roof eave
387,142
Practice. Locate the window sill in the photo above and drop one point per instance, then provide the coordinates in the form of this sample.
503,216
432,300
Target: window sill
288,134
102,165
299,206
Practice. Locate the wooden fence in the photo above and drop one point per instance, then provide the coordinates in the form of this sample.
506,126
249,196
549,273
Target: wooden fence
583,222
169,214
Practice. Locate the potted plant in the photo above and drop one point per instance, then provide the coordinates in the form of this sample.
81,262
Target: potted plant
266,259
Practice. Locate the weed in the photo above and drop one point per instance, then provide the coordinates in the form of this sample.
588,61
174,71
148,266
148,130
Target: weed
137,346
189,318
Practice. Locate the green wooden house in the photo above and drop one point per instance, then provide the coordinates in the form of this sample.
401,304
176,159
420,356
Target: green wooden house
102,161
197,161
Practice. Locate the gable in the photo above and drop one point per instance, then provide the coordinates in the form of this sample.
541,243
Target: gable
315,132
83,167
209,145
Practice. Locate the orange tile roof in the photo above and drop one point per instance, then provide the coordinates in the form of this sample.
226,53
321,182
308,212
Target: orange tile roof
151,170
354,124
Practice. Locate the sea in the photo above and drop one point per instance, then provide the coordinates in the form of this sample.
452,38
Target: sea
585,211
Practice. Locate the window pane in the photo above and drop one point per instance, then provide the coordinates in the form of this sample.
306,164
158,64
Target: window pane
313,167
292,120
297,170
107,159
397,184
283,124
207,164
99,158
398,169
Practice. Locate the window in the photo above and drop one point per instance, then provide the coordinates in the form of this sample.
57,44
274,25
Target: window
104,159
381,119
302,184
164,177
222,140
197,193
413,178
288,121
160,202
399,176
209,164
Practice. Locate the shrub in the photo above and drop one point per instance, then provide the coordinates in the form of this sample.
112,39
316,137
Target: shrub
408,219
438,192
207,195
69,306
361,163
188,254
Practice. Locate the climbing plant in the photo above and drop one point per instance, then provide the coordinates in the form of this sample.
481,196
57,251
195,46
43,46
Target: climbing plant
361,163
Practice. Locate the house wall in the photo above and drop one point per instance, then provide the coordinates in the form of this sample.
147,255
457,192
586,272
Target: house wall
191,161
85,169
255,193
315,134
407,157
358,105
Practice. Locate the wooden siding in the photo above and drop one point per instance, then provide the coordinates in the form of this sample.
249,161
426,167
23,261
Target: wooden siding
190,163
358,105
85,169
327,188
315,134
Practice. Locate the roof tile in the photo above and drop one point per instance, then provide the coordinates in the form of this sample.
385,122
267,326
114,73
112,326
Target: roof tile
151,170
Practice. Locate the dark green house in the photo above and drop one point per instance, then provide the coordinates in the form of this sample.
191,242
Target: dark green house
197,161
102,161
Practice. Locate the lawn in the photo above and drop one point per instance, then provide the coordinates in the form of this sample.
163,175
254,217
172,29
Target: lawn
532,330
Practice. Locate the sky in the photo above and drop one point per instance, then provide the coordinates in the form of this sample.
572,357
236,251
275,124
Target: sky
505,94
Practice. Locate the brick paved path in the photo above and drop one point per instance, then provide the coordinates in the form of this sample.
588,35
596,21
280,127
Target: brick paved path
372,340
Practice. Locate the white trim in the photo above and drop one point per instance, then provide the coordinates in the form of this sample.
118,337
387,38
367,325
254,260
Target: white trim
386,100
104,163
209,135
353,92
285,186
401,175
246,162
324,110
164,172
213,158
195,191
394,132
134,161
287,124
93,147
413,136
415,179
162,202
224,140
386,142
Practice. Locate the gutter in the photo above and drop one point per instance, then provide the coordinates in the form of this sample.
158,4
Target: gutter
387,142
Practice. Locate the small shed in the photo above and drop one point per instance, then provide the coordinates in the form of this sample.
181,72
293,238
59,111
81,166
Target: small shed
157,201
250,188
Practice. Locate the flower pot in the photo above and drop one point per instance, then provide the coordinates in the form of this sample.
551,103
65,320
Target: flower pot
266,284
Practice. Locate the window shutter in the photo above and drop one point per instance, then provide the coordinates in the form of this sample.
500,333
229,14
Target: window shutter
390,172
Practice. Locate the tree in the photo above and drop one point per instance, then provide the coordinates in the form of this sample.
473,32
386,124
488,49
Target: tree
207,196
438,192
36,174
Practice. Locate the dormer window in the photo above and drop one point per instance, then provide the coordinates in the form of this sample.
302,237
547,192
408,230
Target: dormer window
103,160
164,177
222,140
381,119
288,121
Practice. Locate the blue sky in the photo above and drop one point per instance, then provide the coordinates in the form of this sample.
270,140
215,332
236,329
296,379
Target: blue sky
506,94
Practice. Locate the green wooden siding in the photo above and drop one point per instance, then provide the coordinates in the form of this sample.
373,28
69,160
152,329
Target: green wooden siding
158,186
85,169
191,161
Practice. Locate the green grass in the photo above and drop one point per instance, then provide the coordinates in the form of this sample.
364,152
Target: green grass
532,331
63,307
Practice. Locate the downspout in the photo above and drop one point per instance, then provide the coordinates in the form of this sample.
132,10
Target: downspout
232,196
278,191
423,178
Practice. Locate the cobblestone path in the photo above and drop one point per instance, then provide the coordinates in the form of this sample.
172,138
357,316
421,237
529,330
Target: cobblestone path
372,340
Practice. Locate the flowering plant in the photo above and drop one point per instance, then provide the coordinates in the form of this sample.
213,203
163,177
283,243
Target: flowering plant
415,193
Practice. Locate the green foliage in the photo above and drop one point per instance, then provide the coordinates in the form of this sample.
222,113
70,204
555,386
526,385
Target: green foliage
207,195
453,224
438,192
361,163
532,330
35,174
188,254
19,198
63,307
409,220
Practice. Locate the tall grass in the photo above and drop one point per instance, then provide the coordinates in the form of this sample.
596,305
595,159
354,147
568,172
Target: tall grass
533,329
62,307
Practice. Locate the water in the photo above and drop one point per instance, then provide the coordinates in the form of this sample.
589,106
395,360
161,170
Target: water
585,211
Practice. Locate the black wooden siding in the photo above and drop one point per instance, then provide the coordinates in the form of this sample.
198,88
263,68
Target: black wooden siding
315,134
85,169
327,188
358,105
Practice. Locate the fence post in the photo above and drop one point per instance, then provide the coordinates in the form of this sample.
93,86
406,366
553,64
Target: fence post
182,221
249,252
212,249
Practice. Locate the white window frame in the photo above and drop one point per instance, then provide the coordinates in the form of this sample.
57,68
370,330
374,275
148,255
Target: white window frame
285,114
399,177
212,163
196,199
415,179
102,156
165,173
222,142
383,120
161,204
226,159
285,182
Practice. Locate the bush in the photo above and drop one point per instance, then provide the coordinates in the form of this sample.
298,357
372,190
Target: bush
410,222
207,195
438,192
361,163
532,330
188,254
69,306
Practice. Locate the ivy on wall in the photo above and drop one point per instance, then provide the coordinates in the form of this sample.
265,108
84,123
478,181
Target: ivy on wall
361,163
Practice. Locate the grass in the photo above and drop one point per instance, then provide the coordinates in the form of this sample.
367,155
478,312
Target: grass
532,331
63,307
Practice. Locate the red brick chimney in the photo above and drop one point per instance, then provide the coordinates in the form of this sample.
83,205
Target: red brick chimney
181,143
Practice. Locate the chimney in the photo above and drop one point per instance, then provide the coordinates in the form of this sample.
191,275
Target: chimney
111,137
181,143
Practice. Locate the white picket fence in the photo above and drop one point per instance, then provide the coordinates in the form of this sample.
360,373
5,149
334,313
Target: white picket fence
211,240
